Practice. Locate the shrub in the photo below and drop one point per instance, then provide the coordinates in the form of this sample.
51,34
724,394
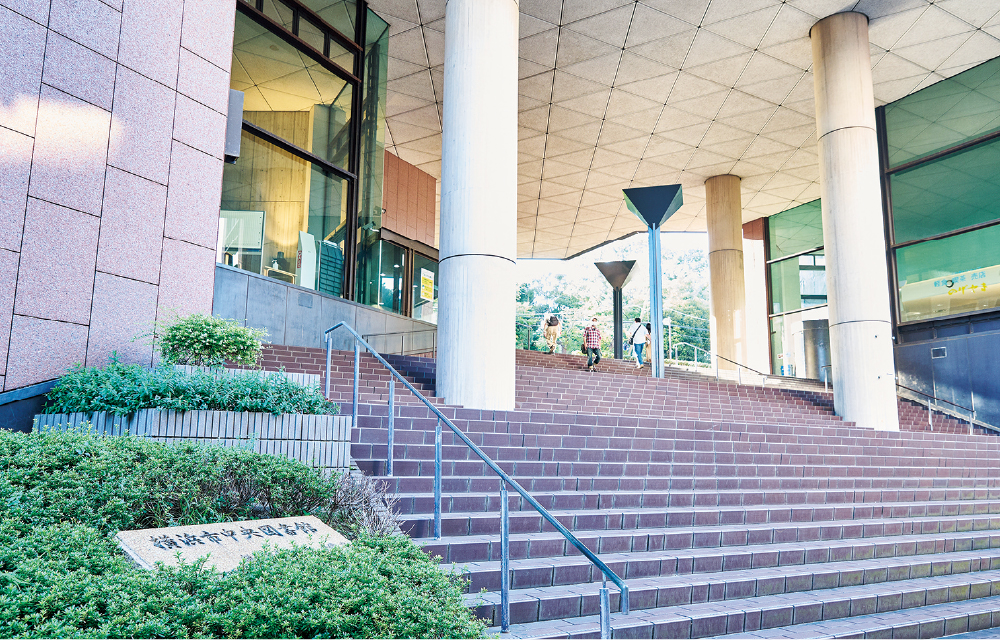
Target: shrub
71,581
120,483
209,341
122,389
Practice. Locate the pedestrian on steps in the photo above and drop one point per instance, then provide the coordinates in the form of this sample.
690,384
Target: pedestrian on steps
592,343
552,330
638,341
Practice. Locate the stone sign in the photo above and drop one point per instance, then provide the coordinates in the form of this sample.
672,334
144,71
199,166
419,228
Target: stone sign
225,543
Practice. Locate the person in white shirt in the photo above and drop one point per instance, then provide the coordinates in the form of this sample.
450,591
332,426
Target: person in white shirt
637,338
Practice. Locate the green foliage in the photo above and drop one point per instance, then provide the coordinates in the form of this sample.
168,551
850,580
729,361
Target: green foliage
122,389
209,341
63,495
71,581
122,483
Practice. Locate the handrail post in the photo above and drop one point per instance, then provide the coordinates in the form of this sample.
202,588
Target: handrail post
605,608
357,378
437,480
504,559
329,354
739,373
392,425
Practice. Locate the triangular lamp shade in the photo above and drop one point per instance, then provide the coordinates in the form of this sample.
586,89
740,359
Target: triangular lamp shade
654,205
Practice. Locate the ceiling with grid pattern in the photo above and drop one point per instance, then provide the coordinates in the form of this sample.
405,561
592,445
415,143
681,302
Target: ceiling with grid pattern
629,93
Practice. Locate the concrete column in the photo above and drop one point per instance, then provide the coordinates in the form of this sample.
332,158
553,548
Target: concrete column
853,231
725,263
475,366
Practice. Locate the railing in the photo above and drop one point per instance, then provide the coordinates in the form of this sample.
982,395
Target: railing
402,341
708,360
607,573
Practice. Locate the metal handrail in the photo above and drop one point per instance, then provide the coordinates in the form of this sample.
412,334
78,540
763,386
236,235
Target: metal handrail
402,335
740,367
607,572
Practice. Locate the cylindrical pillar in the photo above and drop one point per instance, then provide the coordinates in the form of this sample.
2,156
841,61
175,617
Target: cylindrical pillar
475,365
725,263
853,232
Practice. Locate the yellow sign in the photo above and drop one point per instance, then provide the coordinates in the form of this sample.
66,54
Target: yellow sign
427,285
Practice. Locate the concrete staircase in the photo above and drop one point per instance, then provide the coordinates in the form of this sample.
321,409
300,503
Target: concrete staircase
729,510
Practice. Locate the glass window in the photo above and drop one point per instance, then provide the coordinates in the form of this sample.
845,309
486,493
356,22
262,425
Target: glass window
313,36
283,217
800,343
944,114
948,276
425,288
949,193
339,14
799,282
290,94
795,230
393,266
279,12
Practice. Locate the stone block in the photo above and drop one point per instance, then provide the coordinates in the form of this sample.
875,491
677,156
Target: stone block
13,187
203,81
78,71
151,39
8,265
230,297
303,319
123,309
334,311
193,197
187,275
200,127
91,23
132,227
144,122
71,146
266,307
23,44
42,350
208,30
58,255
37,10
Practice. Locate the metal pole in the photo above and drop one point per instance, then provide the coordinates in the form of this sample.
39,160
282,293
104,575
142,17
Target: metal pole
437,480
357,378
619,320
392,425
605,609
329,351
656,301
504,559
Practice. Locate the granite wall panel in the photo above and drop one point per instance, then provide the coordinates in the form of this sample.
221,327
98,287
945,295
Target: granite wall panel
95,151
409,196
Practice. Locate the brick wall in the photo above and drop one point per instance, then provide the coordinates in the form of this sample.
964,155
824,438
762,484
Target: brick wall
409,197
112,125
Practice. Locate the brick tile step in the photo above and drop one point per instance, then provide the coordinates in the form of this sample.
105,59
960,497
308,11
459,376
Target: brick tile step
712,618
856,561
487,484
708,541
423,503
935,621
417,525
833,583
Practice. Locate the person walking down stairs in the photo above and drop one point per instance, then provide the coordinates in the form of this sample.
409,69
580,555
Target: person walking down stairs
638,341
592,344
552,330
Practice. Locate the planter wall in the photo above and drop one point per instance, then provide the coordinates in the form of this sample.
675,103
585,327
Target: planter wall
320,441
304,379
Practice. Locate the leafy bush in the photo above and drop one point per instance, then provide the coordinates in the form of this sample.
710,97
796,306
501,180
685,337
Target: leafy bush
122,389
71,581
120,483
209,341
63,495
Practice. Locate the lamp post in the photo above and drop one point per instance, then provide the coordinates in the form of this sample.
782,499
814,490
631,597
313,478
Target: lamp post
654,205
618,275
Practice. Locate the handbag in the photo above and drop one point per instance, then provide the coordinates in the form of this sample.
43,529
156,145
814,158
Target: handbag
583,347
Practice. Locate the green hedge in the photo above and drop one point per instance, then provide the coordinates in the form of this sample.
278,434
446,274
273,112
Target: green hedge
64,495
122,389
